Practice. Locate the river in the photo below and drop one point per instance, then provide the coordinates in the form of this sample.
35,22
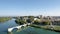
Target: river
28,30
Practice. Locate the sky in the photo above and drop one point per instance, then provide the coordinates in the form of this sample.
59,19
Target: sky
29,7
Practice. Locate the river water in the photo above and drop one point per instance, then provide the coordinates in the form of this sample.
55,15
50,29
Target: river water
27,30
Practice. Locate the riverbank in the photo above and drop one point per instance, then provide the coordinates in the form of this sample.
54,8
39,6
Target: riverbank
3,19
47,27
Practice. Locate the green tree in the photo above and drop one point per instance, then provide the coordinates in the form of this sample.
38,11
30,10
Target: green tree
47,22
37,22
20,22
31,18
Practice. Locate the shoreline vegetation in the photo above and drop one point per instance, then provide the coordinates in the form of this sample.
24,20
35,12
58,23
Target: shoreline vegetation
3,19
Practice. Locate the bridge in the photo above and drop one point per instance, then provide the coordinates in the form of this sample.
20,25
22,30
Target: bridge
18,27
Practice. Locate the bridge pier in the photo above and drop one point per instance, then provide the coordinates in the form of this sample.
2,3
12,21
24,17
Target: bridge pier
10,29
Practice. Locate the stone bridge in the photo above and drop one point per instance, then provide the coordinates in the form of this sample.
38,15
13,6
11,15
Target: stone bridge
18,27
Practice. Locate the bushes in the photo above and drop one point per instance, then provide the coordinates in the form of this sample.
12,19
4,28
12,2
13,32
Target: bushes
46,23
29,20
20,22
38,22
42,22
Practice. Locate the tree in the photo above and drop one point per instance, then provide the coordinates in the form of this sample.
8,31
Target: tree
47,22
37,22
20,22
31,19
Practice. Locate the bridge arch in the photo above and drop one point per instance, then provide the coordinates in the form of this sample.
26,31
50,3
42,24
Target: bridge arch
14,29
22,26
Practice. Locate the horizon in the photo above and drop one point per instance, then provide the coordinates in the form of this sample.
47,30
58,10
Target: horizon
29,15
29,7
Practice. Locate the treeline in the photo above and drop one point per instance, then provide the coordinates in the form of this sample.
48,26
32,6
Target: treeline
24,20
3,19
30,19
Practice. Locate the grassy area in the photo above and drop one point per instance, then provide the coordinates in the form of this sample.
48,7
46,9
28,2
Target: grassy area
33,25
56,28
3,19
